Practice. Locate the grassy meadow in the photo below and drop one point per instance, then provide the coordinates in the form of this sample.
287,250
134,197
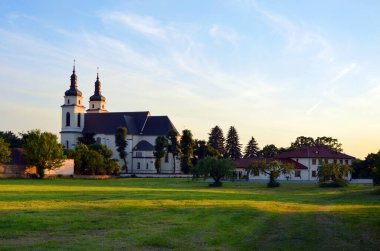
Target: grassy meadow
180,214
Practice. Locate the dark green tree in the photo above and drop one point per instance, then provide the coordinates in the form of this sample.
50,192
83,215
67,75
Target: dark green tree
216,140
187,147
233,147
4,152
268,151
252,149
87,138
173,146
329,142
215,168
13,140
202,150
43,151
121,144
160,150
302,141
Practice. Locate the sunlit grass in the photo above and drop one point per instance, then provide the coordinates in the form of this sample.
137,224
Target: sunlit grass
182,214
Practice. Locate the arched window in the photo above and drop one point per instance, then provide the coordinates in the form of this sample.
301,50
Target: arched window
67,144
78,101
93,106
68,101
67,119
102,106
78,119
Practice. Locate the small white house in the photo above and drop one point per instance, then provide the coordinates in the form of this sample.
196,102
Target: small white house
306,161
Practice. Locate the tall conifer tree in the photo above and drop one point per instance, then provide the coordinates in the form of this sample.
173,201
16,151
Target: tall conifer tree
233,148
251,150
216,140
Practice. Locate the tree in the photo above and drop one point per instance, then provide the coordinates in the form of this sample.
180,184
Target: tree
121,143
216,140
94,160
160,151
233,147
173,145
330,143
10,138
252,149
43,151
268,151
4,152
332,174
215,168
272,168
87,138
302,141
187,147
202,150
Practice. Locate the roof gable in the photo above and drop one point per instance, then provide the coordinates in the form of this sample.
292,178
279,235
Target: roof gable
143,145
158,125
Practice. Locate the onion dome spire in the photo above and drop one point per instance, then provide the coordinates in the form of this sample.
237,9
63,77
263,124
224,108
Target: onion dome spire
98,93
73,91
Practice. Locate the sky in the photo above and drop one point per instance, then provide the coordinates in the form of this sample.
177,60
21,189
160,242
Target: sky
274,70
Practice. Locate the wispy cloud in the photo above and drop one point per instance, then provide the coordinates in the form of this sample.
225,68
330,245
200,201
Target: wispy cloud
225,33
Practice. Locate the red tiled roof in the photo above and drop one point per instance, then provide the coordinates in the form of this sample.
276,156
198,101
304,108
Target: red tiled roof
314,152
244,163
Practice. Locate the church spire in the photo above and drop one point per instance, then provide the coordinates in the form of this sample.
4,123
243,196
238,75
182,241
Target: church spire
73,91
98,93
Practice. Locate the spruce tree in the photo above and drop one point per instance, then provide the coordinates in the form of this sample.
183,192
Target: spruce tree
233,148
187,148
173,146
251,150
216,140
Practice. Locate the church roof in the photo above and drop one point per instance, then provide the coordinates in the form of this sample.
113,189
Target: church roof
137,123
143,145
73,91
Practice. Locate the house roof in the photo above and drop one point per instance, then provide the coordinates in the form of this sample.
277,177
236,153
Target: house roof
137,123
143,145
158,125
245,162
314,152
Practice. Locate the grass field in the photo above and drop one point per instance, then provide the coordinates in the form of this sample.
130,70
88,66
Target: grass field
180,214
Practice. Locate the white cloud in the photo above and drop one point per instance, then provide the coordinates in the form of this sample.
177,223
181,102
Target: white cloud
225,33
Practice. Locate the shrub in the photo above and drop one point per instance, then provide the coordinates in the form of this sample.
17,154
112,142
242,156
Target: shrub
336,183
216,184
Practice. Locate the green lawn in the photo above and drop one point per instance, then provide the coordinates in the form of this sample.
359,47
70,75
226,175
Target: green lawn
180,214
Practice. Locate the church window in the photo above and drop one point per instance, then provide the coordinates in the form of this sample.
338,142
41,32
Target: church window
67,119
78,101
297,173
68,101
93,106
138,154
67,144
102,106
314,161
147,165
138,165
78,119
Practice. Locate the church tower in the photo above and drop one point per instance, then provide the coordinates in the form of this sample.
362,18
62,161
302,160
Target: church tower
97,101
72,114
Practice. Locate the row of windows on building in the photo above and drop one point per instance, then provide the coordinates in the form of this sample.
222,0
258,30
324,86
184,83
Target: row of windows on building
68,122
68,101
146,165
335,161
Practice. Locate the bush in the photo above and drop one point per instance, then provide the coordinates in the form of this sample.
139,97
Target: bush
376,191
273,184
337,183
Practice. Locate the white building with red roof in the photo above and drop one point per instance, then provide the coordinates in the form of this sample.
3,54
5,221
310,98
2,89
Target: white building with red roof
306,161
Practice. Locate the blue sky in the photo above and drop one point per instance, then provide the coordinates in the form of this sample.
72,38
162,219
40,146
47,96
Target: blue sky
273,69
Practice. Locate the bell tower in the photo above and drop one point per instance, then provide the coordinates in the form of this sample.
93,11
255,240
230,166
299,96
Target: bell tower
97,101
72,114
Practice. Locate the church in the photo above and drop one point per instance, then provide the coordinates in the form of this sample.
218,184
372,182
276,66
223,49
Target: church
142,127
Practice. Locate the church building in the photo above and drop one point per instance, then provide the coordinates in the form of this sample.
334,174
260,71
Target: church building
142,127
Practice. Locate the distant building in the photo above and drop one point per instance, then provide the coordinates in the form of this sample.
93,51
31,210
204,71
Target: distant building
306,161
142,127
